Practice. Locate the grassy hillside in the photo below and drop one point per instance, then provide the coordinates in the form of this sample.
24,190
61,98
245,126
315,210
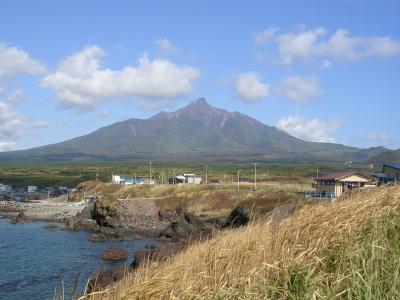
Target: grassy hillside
346,249
208,201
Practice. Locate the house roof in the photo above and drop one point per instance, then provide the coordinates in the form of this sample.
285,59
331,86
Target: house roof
339,175
381,175
395,166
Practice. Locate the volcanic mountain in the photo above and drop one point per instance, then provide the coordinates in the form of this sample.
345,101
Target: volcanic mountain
197,131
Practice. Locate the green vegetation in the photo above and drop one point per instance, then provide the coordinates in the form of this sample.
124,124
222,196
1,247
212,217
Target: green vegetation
196,132
44,175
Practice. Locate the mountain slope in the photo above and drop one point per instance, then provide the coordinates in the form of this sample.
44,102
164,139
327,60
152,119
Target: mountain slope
195,131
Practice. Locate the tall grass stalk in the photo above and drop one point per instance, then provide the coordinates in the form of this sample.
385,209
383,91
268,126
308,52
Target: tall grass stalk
346,249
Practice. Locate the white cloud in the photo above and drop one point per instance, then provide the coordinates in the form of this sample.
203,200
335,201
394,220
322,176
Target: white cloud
14,126
146,104
317,44
299,89
81,82
14,61
165,46
310,130
8,146
17,97
249,87
265,36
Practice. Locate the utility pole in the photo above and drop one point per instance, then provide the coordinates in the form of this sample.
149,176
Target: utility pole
150,173
238,179
255,175
206,174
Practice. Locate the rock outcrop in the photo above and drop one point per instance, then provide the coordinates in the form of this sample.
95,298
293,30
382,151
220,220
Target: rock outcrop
98,238
239,216
19,218
105,215
104,278
185,225
79,223
114,253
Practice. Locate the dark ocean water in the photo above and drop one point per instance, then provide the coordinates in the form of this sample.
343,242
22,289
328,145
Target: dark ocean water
34,259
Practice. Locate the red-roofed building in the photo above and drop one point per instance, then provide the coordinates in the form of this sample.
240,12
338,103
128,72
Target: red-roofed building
335,184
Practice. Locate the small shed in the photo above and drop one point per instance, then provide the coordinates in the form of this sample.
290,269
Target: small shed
335,184
191,178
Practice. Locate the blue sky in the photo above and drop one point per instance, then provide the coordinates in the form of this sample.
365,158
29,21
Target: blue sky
321,70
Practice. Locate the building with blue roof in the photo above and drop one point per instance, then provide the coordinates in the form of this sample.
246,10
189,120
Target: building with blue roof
126,180
392,171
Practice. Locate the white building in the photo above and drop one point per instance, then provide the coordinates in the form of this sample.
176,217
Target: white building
5,188
191,178
126,180
32,189
116,179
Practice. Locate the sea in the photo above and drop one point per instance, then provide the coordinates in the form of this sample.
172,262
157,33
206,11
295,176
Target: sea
37,263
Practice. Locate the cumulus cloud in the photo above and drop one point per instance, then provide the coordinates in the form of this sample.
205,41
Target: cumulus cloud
318,44
14,126
16,97
165,46
8,146
310,130
15,61
79,81
300,89
249,87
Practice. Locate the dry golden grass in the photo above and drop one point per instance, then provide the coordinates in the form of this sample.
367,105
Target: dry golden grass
345,249
205,200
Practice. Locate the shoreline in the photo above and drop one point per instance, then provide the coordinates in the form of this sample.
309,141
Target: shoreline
54,211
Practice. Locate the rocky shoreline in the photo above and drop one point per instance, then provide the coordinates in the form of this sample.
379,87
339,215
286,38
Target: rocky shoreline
41,211
175,228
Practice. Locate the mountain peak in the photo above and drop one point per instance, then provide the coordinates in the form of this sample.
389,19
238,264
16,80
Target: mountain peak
200,108
198,130
200,103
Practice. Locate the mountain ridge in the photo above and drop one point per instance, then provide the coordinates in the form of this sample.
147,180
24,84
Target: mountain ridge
196,131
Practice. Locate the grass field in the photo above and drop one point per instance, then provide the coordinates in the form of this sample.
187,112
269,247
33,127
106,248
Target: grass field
346,249
70,175
213,200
